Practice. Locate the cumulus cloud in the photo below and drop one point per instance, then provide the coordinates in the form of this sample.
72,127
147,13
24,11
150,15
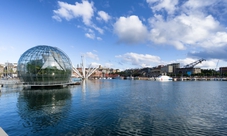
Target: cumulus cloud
130,30
69,11
103,16
169,5
92,55
187,30
142,60
190,28
197,4
85,10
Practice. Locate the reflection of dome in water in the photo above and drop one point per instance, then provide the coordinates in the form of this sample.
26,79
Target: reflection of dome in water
44,65
43,108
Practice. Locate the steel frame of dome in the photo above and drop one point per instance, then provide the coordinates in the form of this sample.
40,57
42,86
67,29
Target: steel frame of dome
44,65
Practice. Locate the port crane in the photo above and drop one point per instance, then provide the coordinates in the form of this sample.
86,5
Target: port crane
191,65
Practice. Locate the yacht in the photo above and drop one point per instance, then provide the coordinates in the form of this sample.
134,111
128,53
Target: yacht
164,78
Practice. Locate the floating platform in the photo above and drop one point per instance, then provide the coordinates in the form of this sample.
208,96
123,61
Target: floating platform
48,86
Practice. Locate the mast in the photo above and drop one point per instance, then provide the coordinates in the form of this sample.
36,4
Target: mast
83,66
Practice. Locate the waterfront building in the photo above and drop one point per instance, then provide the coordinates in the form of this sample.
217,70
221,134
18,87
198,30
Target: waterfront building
44,66
188,71
223,70
170,68
1,70
8,70
100,72
156,71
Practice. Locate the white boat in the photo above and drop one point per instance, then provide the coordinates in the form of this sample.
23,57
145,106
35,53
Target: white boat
164,78
130,78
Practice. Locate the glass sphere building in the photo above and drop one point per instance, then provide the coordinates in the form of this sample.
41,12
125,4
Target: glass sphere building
44,65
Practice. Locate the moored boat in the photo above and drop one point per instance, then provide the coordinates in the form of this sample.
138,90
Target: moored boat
164,78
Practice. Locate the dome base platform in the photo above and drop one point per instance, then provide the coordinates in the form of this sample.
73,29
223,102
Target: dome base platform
48,86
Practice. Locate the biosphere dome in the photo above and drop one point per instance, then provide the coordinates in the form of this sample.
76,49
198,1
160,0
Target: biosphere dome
44,65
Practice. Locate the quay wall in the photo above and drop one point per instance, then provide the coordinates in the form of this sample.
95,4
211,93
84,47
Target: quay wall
186,78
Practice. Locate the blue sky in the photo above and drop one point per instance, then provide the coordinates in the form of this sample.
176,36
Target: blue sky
118,33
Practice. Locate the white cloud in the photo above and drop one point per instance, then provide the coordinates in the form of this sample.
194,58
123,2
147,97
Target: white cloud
142,60
169,5
198,4
90,35
92,55
192,28
98,29
57,18
184,30
69,11
218,39
103,16
99,38
85,10
130,30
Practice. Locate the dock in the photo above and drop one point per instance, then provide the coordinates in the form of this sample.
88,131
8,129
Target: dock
46,85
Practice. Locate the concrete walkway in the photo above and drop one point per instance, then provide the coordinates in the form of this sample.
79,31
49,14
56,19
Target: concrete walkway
2,132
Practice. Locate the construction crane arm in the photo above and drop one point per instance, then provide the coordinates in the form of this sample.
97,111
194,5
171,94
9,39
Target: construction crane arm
191,65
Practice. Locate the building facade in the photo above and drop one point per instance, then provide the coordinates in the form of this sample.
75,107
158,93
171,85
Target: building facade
223,71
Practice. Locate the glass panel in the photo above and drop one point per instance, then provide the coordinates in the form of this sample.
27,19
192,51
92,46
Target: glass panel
44,65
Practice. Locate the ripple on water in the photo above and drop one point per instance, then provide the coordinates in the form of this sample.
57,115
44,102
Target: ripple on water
120,107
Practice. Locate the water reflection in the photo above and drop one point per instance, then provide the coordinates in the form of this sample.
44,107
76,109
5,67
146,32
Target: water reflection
40,109
93,87
118,107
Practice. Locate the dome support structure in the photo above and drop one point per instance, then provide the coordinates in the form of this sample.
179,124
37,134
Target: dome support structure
84,75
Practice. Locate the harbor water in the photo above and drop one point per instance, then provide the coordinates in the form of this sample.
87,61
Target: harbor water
117,107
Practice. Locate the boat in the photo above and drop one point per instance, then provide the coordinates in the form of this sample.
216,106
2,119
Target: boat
164,78
130,78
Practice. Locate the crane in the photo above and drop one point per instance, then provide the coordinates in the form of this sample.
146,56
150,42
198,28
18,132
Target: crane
191,65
